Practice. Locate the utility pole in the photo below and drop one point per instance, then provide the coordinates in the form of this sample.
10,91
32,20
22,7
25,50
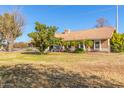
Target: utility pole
117,18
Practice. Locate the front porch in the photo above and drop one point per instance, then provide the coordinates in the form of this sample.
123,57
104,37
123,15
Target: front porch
102,45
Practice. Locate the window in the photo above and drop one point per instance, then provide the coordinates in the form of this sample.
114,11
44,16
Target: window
82,46
97,44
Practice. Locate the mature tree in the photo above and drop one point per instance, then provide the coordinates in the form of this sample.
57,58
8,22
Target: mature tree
11,25
101,22
44,36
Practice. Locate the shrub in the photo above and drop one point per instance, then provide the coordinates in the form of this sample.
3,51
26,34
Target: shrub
66,50
79,50
117,42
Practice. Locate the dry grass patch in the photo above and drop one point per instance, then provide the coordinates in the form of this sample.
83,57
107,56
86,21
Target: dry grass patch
62,70
27,75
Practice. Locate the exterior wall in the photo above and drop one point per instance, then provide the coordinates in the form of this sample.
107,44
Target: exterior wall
105,45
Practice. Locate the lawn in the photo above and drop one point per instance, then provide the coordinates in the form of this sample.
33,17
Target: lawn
61,70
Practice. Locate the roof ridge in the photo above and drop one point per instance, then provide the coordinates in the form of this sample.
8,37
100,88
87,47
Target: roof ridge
73,31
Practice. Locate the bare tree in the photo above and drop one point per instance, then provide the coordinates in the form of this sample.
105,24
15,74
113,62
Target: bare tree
11,25
101,22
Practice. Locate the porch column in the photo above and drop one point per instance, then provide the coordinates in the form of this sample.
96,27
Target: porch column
67,46
84,46
100,48
94,45
63,47
109,48
79,46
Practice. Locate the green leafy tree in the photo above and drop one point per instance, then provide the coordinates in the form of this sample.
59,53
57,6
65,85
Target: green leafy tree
44,36
117,42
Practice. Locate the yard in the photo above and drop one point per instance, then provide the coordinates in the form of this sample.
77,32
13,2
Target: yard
61,70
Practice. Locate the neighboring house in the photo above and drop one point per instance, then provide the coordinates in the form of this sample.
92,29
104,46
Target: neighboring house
100,37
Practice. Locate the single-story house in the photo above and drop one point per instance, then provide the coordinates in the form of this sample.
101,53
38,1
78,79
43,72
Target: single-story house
100,37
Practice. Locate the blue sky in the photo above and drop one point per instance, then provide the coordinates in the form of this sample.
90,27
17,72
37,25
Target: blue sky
67,17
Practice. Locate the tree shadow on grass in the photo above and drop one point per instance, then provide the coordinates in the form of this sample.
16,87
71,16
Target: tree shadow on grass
49,76
33,53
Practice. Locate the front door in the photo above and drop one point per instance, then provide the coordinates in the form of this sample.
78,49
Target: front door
96,45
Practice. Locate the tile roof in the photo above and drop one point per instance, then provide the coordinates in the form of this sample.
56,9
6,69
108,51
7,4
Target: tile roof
96,33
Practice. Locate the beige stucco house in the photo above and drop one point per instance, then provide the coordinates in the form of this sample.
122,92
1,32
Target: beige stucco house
100,36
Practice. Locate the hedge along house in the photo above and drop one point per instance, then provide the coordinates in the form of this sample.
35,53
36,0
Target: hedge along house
100,37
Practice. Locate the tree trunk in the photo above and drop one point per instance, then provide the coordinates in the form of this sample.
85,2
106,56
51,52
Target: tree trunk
46,50
10,46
